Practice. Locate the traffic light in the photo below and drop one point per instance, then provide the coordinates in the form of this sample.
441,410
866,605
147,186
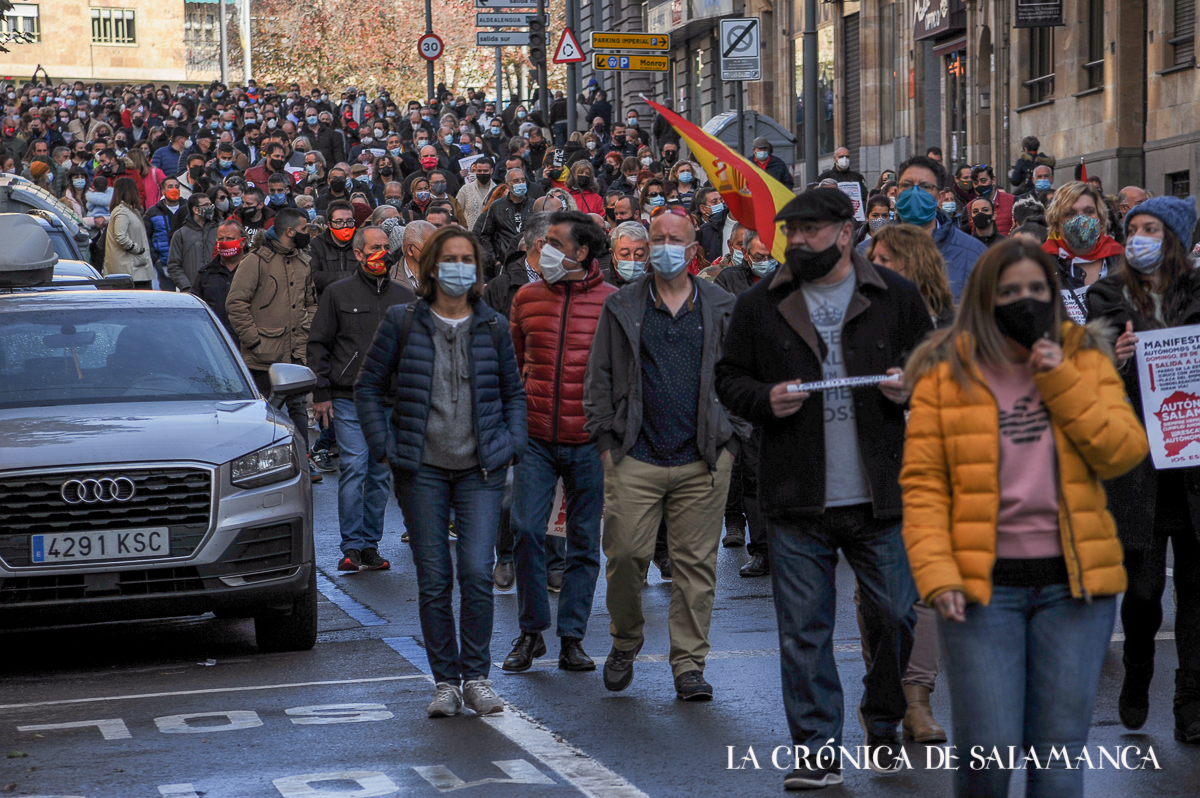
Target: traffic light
537,40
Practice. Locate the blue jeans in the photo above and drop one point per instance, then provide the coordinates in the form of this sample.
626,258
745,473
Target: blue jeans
425,498
1023,672
363,484
533,494
804,556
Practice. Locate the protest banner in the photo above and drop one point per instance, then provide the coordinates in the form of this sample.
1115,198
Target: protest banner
1168,363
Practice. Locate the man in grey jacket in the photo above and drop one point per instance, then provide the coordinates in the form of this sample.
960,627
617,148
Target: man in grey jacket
665,440
192,244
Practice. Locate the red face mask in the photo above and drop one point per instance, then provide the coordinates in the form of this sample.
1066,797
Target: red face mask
228,249
343,234
429,163
375,265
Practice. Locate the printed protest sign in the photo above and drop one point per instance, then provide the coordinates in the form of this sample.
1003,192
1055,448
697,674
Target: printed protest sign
854,191
1168,363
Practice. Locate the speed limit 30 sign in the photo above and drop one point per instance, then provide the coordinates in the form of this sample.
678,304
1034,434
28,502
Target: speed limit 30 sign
430,46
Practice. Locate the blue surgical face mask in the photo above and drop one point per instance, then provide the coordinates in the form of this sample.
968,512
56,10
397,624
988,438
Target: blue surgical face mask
630,269
916,206
312,213
949,206
1144,253
396,152
311,120
715,209
311,168
466,148
225,164
227,125
455,277
1042,184
737,256
520,189
657,201
763,268
237,201
668,260
685,177
449,140
278,199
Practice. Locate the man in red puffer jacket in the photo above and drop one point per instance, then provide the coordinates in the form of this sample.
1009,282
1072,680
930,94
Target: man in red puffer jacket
553,320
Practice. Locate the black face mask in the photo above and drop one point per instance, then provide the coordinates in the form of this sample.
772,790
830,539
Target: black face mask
300,240
337,184
196,172
981,220
276,164
1026,321
669,158
584,181
810,266
619,140
483,179
610,214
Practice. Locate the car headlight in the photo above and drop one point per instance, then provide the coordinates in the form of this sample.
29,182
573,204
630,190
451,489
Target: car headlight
275,463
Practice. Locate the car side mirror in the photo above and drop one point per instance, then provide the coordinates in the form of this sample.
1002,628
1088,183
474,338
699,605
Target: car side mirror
289,379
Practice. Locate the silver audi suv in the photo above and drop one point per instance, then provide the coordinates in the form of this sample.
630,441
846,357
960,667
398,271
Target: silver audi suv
141,473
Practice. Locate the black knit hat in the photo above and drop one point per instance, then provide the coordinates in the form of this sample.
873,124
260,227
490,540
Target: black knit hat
818,205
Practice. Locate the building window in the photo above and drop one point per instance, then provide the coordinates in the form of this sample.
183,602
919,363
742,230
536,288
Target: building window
1180,185
887,72
114,26
1184,40
23,18
1094,65
1041,64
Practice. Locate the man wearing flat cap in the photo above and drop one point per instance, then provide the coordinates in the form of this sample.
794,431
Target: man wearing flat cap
833,457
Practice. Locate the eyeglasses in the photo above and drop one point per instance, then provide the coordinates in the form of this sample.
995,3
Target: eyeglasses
930,187
342,224
806,229
675,210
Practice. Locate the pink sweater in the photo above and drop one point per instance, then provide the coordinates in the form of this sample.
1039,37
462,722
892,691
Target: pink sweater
1027,525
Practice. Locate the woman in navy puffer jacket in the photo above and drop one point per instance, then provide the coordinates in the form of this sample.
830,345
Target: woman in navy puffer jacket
459,419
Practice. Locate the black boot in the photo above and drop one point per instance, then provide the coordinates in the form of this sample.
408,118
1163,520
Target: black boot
572,657
1187,706
1134,704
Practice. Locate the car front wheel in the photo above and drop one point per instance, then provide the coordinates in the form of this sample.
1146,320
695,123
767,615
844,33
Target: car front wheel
294,631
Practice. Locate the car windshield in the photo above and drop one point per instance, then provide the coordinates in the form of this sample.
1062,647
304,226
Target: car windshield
62,247
65,356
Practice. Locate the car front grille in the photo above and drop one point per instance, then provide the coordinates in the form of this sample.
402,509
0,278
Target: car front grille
66,587
260,548
179,499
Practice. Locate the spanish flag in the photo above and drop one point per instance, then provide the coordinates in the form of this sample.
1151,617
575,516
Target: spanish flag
752,196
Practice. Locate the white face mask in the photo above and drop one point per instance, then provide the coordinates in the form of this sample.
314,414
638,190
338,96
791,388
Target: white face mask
843,163
552,266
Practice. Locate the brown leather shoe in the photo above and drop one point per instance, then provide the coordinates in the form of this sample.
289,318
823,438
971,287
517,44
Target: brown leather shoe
919,724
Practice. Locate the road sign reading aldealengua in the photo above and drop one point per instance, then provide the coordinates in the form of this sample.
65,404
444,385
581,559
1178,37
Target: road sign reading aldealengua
631,41
503,20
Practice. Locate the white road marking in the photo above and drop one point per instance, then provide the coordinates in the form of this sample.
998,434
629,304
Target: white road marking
580,770
111,729
337,713
181,724
177,791
518,771
373,783
214,690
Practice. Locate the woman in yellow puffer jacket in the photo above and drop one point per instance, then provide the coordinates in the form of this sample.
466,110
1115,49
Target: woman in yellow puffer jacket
1016,417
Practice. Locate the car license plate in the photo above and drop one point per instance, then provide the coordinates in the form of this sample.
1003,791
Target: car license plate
123,544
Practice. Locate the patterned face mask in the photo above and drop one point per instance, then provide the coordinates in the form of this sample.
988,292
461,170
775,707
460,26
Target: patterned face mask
1081,232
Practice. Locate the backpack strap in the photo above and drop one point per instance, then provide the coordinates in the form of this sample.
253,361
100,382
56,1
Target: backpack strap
494,328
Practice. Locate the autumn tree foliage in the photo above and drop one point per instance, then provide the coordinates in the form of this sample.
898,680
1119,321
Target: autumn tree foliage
373,44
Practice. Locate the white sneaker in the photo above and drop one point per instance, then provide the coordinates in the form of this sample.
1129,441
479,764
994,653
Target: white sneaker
479,696
447,702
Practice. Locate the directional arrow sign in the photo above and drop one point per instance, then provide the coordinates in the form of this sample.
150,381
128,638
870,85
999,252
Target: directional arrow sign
631,41
493,39
505,3
631,63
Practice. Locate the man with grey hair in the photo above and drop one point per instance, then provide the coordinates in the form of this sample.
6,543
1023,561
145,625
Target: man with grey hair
630,243
522,266
405,267
347,316
499,229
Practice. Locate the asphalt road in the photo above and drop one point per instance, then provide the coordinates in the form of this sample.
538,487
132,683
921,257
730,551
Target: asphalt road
188,707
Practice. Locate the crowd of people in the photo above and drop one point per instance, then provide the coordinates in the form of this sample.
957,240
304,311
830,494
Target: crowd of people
496,306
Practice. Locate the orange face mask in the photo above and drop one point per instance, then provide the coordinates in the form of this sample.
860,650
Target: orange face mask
172,194
343,234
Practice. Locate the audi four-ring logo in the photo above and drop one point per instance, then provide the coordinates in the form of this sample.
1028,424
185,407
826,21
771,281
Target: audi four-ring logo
92,491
